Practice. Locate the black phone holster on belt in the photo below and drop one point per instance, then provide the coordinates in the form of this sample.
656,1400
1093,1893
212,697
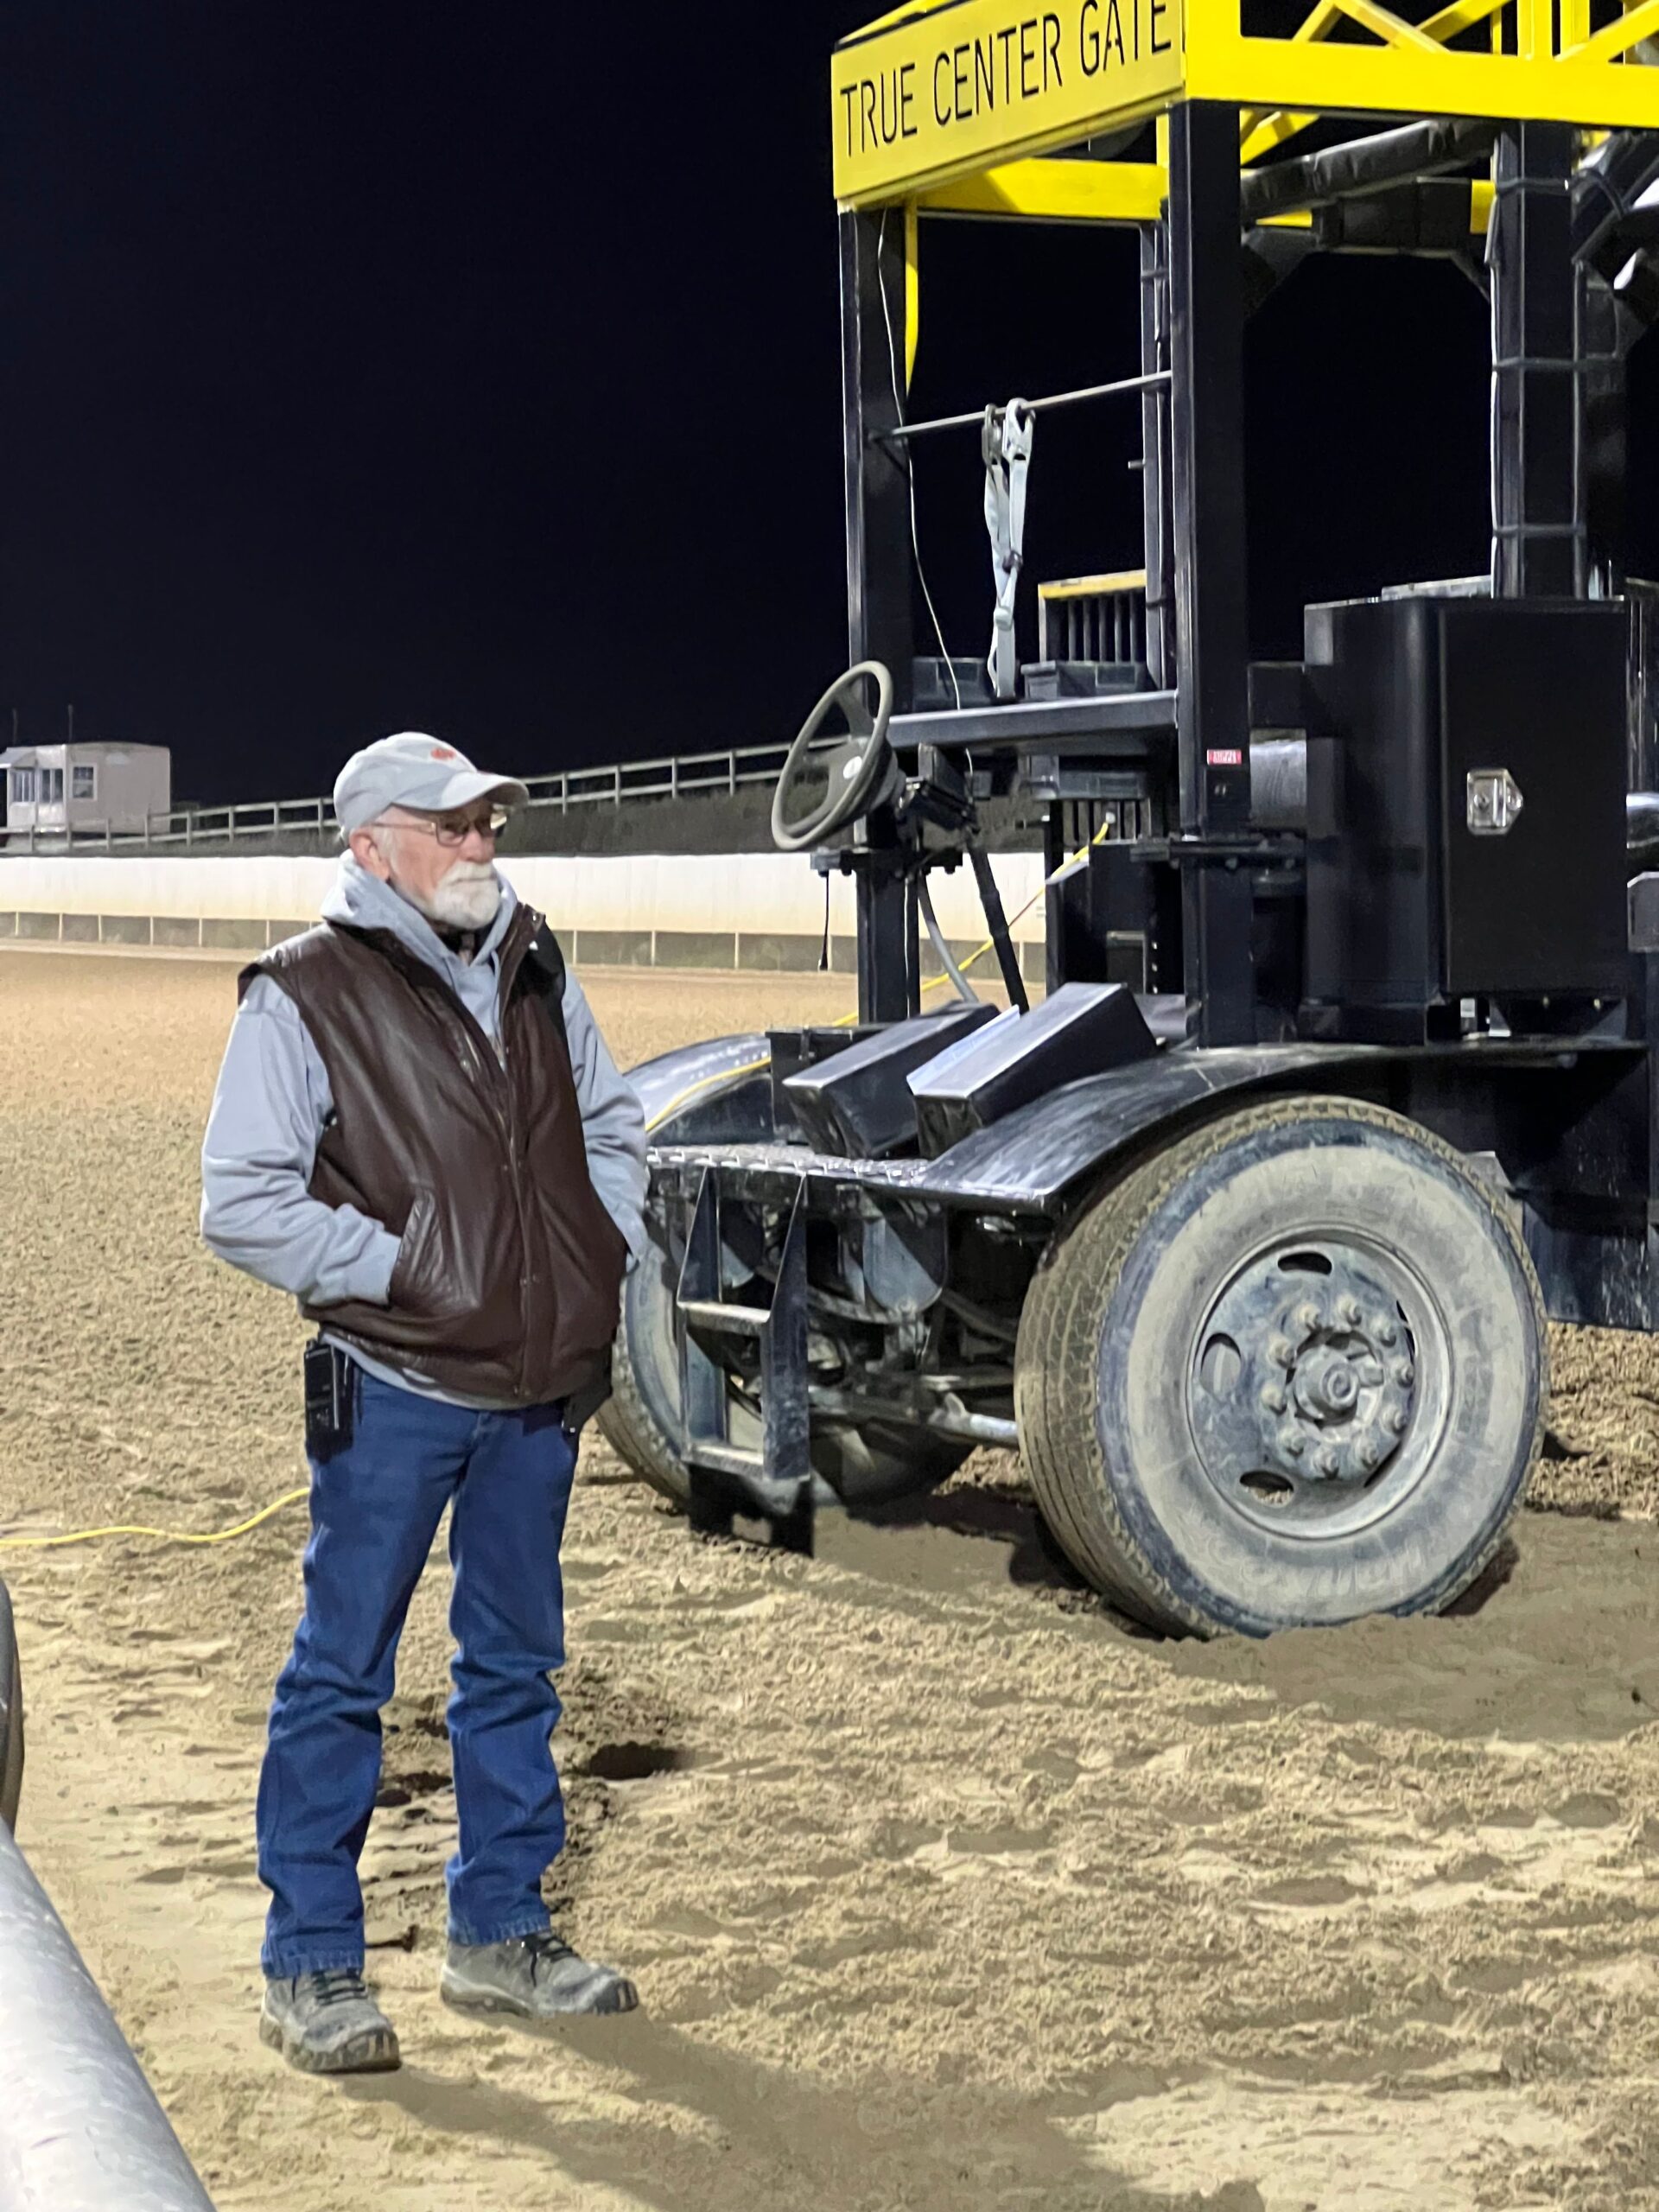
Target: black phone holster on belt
330,1394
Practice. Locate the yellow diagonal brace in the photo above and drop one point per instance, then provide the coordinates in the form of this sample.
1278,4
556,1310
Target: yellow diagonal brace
1461,16
1264,128
1256,121
1324,18
1272,132
1392,29
1263,132
1618,38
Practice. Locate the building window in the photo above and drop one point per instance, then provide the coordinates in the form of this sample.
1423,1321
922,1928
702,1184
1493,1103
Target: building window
85,780
51,787
23,787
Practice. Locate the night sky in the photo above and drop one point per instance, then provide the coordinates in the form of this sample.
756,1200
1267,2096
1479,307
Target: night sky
476,370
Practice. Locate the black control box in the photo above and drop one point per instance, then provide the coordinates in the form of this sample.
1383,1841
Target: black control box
1465,807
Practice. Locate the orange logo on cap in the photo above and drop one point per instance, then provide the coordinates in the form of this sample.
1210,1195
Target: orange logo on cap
443,753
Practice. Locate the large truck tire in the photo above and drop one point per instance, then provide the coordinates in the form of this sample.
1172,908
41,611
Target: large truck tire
1289,1371
867,1466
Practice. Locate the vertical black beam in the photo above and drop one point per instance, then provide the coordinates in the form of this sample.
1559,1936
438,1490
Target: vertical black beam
1602,441
878,625
1058,899
1157,536
1538,524
877,486
1206,316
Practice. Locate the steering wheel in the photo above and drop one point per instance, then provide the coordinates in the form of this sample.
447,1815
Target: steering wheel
861,772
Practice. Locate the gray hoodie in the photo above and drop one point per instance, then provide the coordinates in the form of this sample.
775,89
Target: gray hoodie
273,1098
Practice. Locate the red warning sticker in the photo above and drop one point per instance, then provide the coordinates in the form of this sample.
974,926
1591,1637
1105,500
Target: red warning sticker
1224,757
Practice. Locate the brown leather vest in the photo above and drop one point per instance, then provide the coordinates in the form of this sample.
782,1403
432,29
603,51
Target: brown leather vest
507,1284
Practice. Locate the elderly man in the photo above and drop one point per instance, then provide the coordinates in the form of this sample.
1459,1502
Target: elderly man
419,1133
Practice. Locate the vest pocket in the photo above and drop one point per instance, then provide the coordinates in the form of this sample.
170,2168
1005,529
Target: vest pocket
416,1282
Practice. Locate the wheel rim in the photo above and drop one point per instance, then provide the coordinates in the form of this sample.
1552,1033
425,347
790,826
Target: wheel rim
1318,1385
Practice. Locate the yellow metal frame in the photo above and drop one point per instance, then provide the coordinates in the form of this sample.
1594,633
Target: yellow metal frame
1086,192
1056,192
1114,580
940,102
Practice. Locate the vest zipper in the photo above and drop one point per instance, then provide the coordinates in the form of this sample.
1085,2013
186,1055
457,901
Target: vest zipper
501,1105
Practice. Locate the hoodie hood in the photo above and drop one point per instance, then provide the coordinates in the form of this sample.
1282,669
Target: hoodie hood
366,903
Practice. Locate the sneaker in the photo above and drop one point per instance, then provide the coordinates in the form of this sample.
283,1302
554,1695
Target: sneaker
536,1976
327,2024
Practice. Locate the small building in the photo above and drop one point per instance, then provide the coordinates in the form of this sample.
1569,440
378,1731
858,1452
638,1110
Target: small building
52,790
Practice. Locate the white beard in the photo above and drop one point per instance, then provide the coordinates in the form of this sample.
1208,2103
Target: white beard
466,899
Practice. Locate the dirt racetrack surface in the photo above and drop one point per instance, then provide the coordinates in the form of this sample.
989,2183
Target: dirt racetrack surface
944,1890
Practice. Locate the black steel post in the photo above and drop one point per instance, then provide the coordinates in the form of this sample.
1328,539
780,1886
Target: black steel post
879,619
1538,521
1206,313
878,488
1156,535
1602,441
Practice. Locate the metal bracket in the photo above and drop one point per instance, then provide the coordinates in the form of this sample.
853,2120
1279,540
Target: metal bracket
1005,447
1493,802
772,1487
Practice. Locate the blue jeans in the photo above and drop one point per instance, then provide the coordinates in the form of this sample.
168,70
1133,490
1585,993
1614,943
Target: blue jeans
375,1508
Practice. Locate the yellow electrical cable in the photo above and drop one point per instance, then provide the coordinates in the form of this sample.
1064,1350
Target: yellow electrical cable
166,1536
846,1021
935,983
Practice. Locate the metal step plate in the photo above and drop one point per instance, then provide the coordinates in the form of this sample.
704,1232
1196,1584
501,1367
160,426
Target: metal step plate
859,1104
1082,1029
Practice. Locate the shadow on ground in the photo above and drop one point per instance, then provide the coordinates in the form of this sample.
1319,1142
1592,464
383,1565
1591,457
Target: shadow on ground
747,2135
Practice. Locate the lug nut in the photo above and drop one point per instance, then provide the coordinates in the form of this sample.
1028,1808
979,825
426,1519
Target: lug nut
1326,1461
1385,1331
1294,1441
1307,1317
1404,1373
1348,1313
1281,1352
1273,1398
1369,1455
1398,1420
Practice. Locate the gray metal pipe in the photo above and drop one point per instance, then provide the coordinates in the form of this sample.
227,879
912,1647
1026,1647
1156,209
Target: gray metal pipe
80,2130
941,1421
1418,149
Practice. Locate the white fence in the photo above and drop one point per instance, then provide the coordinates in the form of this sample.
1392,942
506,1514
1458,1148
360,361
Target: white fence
686,775
706,909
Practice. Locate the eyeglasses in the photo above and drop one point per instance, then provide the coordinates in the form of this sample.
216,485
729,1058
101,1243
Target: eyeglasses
488,825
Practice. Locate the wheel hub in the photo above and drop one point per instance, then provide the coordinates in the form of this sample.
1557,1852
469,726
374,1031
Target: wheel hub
1307,1381
1342,1406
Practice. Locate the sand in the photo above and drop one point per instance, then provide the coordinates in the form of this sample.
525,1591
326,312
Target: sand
944,1890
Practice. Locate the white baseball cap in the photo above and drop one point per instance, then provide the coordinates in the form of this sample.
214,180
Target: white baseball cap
417,771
